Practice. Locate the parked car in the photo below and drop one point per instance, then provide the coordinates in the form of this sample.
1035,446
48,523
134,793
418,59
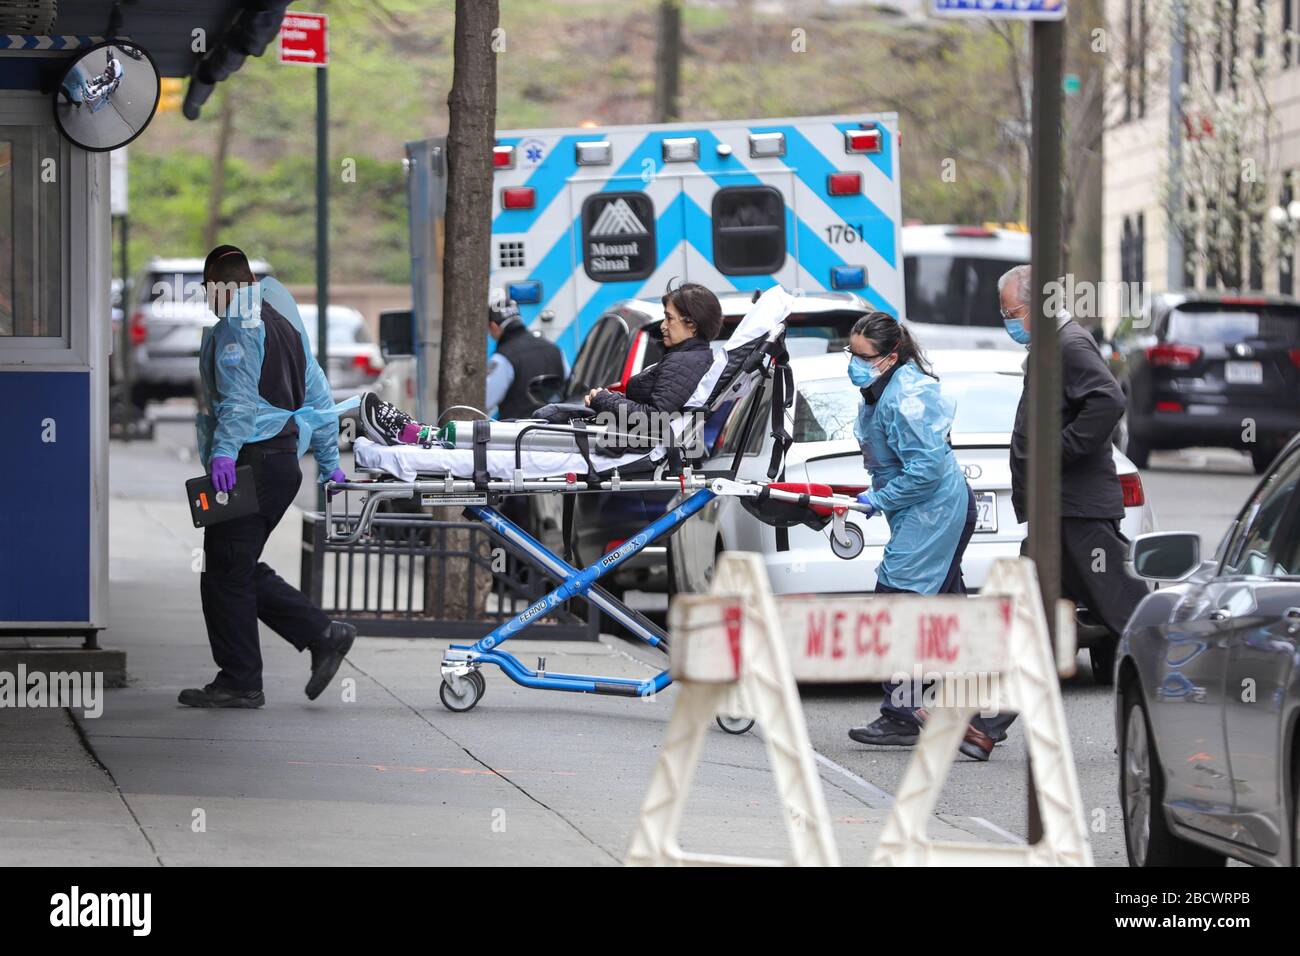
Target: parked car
950,279
626,340
1211,368
1207,691
986,387
353,357
168,315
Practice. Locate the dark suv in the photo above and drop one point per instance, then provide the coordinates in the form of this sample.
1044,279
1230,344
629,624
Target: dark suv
626,340
1206,368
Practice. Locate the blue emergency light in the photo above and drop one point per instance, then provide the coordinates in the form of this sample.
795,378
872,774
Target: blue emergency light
848,277
526,293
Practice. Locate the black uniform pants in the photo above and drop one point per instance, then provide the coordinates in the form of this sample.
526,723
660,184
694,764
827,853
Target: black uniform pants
238,589
1092,570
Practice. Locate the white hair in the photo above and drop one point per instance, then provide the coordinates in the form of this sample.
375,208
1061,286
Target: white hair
1022,276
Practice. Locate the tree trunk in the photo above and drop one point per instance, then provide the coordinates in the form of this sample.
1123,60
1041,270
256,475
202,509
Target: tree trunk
217,194
668,61
471,134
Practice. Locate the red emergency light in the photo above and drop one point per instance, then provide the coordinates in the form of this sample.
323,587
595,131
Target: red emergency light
844,184
862,140
518,197
503,157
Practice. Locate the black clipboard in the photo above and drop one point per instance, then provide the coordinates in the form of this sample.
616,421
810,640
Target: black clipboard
209,506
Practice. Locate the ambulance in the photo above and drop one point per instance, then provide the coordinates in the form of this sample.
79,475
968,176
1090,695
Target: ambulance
586,218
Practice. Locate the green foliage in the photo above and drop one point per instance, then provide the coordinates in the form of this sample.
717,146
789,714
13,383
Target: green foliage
565,61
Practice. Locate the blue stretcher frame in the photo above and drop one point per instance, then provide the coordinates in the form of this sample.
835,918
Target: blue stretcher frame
577,583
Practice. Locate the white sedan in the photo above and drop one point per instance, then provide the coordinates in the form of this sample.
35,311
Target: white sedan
986,386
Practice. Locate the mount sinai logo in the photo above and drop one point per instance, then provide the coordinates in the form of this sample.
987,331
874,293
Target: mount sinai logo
617,219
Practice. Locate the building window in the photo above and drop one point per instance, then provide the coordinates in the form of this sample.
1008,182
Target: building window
748,230
31,209
1261,27
1189,263
1290,46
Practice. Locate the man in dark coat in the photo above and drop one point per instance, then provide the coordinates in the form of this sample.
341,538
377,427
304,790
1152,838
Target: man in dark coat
1092,502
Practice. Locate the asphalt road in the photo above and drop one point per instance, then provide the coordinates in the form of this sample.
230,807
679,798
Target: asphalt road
1195,490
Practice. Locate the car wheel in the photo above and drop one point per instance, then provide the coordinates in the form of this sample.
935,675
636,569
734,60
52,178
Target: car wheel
1102,657
1295,814
1147,836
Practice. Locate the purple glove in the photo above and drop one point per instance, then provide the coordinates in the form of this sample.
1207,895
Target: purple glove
222,470
337,476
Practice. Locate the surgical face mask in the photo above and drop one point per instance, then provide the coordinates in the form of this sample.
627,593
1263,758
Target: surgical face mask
861,372
1016,329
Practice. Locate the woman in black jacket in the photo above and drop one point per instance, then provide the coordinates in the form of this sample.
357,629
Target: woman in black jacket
692,319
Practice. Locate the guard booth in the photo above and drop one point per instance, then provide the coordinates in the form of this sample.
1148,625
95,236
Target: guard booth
55,269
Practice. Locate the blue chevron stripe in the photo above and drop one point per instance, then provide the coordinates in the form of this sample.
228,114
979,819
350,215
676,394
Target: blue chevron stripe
812,168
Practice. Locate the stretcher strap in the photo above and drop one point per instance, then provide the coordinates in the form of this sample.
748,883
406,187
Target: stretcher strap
583,440
482,435
782,398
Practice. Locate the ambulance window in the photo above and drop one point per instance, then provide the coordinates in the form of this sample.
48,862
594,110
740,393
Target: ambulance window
748,230
30,218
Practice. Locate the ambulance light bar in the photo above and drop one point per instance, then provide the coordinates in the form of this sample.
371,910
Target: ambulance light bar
596,153
518,197
862,140
525,293
766,145
684,150
503,157
848,277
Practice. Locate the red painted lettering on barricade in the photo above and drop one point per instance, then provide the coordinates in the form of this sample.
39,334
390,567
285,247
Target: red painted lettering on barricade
933,639
816,643
868,638
837,634
732,615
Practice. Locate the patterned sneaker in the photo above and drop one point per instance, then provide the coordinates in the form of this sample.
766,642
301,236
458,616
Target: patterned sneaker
382,422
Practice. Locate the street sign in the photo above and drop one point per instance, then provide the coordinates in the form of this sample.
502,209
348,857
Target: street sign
1002,9
304,39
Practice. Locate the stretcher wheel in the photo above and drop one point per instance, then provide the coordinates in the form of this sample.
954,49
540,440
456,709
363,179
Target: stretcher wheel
735,725
472,687
852,547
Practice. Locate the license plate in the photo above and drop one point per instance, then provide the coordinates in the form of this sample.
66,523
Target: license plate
986,511
1243,373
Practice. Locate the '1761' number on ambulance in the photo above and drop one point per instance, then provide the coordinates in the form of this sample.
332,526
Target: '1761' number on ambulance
845,233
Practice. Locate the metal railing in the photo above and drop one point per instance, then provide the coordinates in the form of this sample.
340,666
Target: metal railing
414,576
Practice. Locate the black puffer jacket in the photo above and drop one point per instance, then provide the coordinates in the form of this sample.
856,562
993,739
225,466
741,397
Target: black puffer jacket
664,386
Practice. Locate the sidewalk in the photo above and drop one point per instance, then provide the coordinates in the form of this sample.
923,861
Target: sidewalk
387,776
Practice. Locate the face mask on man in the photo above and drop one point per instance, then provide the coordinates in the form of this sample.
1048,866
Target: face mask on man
1016,329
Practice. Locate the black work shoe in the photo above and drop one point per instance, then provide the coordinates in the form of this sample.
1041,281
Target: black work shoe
214,696
382,422
887,732
327,654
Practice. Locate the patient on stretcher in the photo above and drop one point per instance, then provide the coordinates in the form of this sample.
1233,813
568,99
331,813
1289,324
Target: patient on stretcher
692,319
650,425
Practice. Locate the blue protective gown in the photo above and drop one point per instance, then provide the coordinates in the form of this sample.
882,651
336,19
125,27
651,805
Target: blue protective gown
232,412
915,479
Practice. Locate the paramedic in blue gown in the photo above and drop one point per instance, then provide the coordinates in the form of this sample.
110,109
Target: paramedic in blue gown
917,484
264,402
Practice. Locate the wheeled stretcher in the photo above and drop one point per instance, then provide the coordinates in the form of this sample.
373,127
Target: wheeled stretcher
497,465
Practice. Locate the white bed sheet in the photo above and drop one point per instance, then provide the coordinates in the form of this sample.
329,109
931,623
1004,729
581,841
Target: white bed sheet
408,462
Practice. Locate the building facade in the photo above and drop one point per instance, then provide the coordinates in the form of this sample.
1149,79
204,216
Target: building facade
1136,185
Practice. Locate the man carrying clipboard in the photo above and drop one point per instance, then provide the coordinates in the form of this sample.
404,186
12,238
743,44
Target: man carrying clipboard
264,403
